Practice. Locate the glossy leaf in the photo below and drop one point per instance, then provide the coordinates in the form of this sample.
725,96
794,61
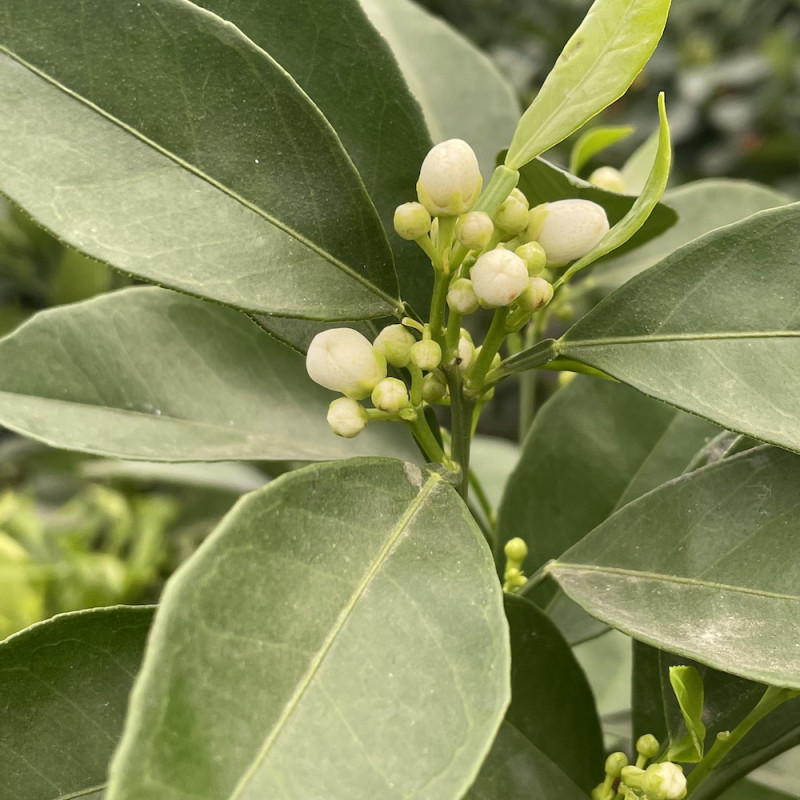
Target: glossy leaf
596,67
751,790
517,770
330,627
701,207
196,162
654,187
710,552
594,141
462,93
149,374
64,688
687,684
714,329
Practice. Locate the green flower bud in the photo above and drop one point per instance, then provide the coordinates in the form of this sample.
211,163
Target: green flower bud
426,354
434,386
394,342
615,764
343,360
412,220
390,395
474,230
498,277
347,417
449,179
461,296
538,293
647,746
466,351
608,178
512,215
516,550
532,253
664,781
567,229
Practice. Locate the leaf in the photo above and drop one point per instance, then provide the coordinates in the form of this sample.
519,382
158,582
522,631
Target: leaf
595,68
462,93
196,162
594,141
64,688
517,770
552,704
751,790
701,207
688,687
654,187
149,374
341,606
702,566
713,329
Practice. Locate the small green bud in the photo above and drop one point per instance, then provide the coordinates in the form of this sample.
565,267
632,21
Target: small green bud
347,417
395,343
512,215
466,351
449,179
390,395
532,253
412,220
664,781
426,354
567,229
538,293
608,178
343,360
647,746
516,550
615,764
434,386
461,296
498,277
474,230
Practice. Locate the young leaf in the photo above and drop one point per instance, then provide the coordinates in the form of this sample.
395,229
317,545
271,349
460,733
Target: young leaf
64,688
702,566
340,635
150,374
196,162
594,141
688,687
596,67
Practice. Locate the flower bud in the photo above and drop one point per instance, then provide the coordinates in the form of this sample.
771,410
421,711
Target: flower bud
412,220
647,746
461,296
347,417
474,230
466,351
449,180
567,229
664,781
499,277
512,215
390,395
426,354
532,253
615,763
516,550
434,387
538,293
343,360
394,342
608,178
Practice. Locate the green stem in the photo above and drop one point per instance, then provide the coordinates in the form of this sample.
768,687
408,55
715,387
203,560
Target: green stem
483,502
770,700
527,380
494,339
461,423
416,386
427,441
440,285
433,254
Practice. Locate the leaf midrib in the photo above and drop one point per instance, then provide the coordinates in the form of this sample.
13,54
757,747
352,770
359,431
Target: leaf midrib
566,346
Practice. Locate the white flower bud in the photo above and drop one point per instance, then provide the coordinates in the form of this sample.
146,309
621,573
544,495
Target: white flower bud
567,229
474,230
347,417
412,220
512,215
394,342
390,395
499,277
449,180
461,296
664,781
426,354
343,360
608,178
538,293
466,351
532,253
434,386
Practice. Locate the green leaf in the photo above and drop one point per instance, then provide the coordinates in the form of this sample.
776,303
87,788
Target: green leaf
196,162
750,790
552,704
701,207
654,187
149,374
702,566
594,141
687,684
517,770
462,93
64,688
713,329
349,621
595,68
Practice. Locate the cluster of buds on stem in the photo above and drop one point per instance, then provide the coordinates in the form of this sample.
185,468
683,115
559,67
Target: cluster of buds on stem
516,551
